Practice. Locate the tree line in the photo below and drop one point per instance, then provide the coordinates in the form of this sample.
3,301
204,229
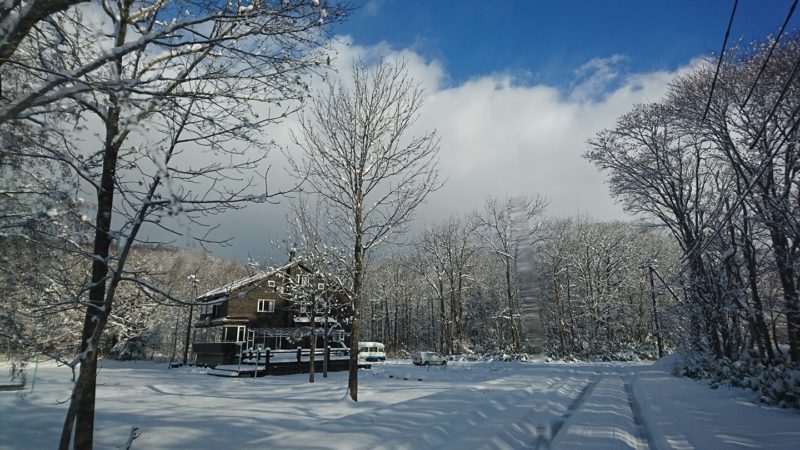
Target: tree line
719,170
143,325
458,287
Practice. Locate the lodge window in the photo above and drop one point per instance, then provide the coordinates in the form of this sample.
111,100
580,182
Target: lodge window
271,283
320,286
234,334
266,306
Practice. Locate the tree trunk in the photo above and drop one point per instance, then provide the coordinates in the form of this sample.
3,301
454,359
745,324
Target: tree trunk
394,332
189,334
756,313
433,321
571,315
326,357
659,343
358,274
783,264
755,297
560,310
445,336
515,341
84,391
387,324
454,319
312,340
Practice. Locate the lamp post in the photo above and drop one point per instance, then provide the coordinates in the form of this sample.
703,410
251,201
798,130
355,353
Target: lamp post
193,280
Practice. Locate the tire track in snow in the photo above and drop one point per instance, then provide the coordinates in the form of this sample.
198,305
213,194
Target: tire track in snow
476,416
643,431
607,416
546,434
512,426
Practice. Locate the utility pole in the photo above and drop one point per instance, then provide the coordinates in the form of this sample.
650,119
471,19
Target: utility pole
659,343
193,280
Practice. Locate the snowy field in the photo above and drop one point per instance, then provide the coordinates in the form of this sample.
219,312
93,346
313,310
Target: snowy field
460,406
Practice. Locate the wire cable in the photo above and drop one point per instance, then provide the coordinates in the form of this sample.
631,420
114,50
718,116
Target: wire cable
691,254
719,63
769,54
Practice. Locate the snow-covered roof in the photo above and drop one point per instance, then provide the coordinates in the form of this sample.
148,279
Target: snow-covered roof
224,291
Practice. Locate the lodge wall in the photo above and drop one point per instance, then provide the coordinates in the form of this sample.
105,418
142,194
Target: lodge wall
246,306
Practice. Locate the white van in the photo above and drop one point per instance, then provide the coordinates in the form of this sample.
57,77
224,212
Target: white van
428,358
371,351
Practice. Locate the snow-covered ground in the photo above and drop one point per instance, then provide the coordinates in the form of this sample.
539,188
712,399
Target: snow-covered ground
462,405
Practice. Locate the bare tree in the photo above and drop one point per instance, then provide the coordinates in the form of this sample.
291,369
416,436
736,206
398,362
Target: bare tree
181,93
448,250
594,297
660,170
721,173
392,288
357,156
753,126
19,17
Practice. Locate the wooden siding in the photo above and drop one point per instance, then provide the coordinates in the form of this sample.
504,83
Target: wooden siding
211,354
247,306
244,304
222,310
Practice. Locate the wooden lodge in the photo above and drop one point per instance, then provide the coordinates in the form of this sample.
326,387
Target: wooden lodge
263,320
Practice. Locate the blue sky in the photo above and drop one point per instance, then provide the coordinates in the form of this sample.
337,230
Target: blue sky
515,90
546,41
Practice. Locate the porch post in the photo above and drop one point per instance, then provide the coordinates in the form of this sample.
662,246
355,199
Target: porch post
299,353
240,357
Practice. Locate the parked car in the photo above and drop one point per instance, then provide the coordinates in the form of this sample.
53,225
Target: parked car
427,358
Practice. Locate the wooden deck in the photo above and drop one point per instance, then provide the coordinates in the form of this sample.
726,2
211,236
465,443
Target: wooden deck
248,370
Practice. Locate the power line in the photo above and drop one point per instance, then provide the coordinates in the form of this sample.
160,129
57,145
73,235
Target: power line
769,54
690,254
719,63
753,180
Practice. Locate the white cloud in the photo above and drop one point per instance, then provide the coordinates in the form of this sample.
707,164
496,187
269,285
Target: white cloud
595,77
498,137
430,73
